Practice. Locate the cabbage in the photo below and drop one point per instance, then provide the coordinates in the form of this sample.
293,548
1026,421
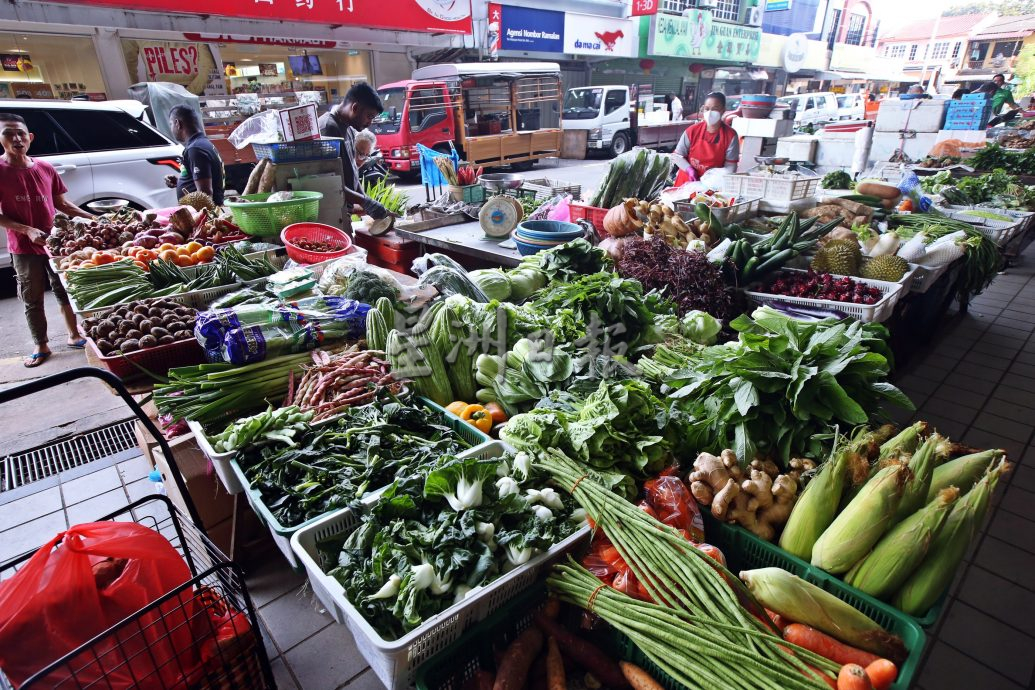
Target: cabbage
524,281
493,282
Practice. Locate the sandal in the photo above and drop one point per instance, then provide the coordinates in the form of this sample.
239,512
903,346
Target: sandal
36,359
78,345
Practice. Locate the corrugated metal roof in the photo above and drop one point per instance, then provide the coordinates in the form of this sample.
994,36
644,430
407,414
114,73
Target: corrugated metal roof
949,26
1008,27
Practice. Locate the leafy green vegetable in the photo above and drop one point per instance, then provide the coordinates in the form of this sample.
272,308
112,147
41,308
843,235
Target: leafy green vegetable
568,261
366,286
780,384
839,179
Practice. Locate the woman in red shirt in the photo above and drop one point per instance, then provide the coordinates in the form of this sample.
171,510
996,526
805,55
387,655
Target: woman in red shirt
708,143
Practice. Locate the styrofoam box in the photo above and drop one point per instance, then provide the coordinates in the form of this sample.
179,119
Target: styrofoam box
765,128
885,144
797,148
395,662
920,115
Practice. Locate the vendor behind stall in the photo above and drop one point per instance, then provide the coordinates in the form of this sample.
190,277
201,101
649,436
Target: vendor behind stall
202,169
355,113
707,144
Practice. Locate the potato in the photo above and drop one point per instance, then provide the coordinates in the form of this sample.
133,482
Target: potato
133,334
166,339
148,341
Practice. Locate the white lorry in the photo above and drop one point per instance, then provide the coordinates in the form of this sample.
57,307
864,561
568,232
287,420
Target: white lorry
618,118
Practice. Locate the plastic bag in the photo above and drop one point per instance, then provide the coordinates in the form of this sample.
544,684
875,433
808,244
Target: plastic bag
84,581
561,210
674,505
260,128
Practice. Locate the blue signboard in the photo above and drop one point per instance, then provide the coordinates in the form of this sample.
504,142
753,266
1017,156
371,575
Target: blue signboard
528,29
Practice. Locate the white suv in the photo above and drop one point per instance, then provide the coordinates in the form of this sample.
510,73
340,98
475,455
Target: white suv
101,151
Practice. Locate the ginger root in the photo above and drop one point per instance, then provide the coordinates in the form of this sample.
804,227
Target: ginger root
760,501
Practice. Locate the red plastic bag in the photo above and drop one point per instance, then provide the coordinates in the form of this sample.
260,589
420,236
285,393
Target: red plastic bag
83,582
674,505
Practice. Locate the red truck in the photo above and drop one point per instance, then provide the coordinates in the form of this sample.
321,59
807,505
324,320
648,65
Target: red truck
493,114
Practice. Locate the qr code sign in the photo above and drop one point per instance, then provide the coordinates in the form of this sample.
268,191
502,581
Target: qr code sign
300,123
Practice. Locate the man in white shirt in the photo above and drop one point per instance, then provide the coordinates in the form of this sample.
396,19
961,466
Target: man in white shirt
675,107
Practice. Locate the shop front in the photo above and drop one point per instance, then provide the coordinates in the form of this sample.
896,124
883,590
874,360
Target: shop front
49,66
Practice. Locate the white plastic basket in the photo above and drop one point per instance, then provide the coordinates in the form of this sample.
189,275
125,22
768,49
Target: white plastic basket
926,276
742,210
395,662
999,231
776,187
867,313
220,461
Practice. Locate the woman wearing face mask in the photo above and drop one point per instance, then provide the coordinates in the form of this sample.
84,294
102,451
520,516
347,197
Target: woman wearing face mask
707,144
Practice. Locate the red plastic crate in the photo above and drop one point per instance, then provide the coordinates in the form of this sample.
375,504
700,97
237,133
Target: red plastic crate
593,214
158,360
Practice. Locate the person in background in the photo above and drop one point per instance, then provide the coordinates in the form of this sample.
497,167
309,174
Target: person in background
202,169
707,144
1001,96
355,113
370,170
30,192
917,91
675,107
958,94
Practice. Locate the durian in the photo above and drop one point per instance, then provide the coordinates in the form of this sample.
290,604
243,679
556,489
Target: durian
821,261
888,267
198,201
844,257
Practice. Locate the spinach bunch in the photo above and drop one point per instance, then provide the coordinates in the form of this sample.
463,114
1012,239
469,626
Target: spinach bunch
333,465
435,535
782,383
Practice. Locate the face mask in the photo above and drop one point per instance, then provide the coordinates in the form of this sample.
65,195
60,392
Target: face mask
712,116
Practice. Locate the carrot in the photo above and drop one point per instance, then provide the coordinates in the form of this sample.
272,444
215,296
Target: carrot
778,620
585,654
552,608
882,673
638,678
815,674
853,677
485,680
517,660
555,676
825,645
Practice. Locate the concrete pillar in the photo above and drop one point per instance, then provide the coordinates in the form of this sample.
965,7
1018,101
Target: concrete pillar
114,71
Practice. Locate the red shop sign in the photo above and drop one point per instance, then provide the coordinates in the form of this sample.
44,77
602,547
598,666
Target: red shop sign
644,7
429,16
262,40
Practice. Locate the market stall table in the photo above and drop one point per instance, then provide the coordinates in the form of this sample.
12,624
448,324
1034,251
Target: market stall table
466,239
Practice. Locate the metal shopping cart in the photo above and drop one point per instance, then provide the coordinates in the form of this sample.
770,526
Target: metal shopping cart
215,592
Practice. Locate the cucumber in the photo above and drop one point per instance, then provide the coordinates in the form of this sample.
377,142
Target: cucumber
774,262
749,268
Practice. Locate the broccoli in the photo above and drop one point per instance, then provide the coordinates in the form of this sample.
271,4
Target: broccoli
366,287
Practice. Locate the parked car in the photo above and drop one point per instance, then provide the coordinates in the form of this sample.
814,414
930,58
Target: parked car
851,106
101,151
812,108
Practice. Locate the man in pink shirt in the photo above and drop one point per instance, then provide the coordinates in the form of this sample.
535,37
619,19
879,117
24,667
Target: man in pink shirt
30,192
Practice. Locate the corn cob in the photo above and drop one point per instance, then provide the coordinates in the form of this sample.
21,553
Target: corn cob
862,523
899,447
962,472
803,602
921,467
935,574
901,550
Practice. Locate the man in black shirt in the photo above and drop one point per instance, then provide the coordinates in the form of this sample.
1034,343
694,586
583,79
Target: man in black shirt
354,114
202,169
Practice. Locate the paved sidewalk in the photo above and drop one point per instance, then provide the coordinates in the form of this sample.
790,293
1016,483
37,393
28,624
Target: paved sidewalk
976,384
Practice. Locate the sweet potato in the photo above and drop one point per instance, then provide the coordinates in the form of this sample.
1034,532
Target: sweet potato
269,177
517,660
584,653
823,211
555,676
256,174
638,678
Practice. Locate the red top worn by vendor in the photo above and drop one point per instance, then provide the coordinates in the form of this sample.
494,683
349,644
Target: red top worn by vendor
707,144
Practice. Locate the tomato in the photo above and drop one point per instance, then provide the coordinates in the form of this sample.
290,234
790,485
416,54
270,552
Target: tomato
206,254
165,245
168,255
192,246
183,260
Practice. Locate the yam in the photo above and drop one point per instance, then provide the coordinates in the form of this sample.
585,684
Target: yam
269,177
823,211
517,660
890,203
256,174
877,189
854,206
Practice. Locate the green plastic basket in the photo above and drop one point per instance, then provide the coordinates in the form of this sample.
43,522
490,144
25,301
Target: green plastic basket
451,668
259,217
282,535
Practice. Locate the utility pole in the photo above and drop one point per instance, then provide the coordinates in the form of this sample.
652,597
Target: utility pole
929,50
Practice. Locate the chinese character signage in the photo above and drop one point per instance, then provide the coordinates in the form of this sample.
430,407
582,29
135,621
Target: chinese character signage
698,36
431,16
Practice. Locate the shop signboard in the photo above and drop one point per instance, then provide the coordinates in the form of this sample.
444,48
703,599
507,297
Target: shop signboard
188,64
268,69
526,29
698,35
16,62
603,36
642,8
262,40
777,5
428,16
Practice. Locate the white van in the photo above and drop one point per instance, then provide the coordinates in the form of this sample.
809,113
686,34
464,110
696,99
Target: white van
101,151
812,108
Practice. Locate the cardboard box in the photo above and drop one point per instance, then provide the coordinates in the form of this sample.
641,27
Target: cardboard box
213,503
299,123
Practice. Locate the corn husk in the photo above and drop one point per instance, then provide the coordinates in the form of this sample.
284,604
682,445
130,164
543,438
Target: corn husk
817,505
962,472
862,523
898,448
929,581
901,550
921,467
803,602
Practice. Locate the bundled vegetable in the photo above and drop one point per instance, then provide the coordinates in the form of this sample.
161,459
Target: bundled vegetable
271,426
394,200
638,174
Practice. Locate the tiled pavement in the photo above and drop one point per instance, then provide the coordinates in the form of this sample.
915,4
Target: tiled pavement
976,383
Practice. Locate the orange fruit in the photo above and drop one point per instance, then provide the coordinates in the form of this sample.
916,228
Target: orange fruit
141,265
183,260
168,255
193,246
206,254
165,245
